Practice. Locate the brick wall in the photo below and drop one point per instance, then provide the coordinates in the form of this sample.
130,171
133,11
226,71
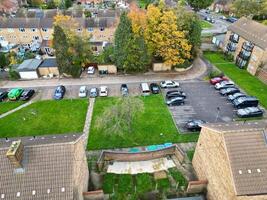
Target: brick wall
262,75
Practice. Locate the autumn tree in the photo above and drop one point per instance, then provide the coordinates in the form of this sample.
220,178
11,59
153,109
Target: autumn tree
247,8
199,4
118,118
164,39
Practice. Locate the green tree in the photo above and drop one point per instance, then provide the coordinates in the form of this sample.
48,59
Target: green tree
60,44
247,8
51,4
118,119
3,60
35,3
67,4
189,23
199,4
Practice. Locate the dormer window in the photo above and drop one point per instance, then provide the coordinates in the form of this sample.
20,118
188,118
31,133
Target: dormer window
102,28
33,29
22,29
44,29
79,30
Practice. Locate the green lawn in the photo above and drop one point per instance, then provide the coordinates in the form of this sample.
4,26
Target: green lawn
154,126
46,117
7,106
205,24
250,84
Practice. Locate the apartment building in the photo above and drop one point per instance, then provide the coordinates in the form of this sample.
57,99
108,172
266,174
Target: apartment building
26,30
232,158
43,167
246,40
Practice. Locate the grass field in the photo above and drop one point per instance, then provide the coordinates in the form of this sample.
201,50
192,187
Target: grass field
250,84
45,117
205,24
7,106
154,126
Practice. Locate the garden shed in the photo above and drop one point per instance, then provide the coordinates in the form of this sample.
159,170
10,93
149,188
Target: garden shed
28,69
48,67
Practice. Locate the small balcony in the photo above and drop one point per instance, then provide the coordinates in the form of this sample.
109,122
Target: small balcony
247,46
240,62
245,55
231,47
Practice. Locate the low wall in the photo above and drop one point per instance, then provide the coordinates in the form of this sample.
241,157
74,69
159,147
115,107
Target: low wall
161,67
140,156
182,69
94,195
112,69
197,186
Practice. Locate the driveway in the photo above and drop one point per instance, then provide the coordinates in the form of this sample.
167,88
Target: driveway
202,102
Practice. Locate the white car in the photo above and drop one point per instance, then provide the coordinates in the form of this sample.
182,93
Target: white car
169,84
103,91
83,92
91,70
224,84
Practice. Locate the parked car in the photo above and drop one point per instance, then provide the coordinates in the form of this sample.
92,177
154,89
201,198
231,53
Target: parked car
91,70
154,87
224,84
176,101
249,112
194,125
145,91
93,92
215,80
209,19
235,95
83,92
124,90
175,93
169,84
27,94
231,19
15,94
59,92
3,95
229,91
103,91
243,102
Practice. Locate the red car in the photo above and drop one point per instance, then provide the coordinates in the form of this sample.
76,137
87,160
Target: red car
215,80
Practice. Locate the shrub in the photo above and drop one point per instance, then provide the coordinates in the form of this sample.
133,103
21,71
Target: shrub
125,184
144,183
215,73
178,177
109,182
163,184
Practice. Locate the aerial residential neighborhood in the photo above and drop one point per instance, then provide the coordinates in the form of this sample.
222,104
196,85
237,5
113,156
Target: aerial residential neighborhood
133,99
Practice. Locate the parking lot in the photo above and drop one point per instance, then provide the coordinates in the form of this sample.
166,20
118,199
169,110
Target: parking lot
202,102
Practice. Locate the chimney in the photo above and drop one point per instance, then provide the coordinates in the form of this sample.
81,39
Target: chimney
15,154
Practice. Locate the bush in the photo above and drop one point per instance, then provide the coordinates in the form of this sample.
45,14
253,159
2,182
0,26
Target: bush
185,65
125,184
144,183
215,73
178,177
109,182
163,184
228,57
13,75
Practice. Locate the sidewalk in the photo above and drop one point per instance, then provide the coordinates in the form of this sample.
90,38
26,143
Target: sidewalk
196,72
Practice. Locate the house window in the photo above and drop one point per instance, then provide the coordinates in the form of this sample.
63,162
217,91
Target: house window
10,30
22,29
33,192
79,30
2,38
48,191
0,29
33,29
44,29
63,189
101,28
35,37
2,196
90,29
94,48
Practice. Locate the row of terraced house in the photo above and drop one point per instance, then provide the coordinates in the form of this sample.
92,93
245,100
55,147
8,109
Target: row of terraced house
26,30
246,40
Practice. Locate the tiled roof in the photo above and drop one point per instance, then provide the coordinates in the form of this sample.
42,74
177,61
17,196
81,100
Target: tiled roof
49,62
246,147
29,65
251,30
48,167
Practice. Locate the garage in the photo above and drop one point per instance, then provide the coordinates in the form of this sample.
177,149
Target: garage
29,69
48,68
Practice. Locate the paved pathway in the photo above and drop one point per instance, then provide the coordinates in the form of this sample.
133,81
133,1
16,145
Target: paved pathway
16,109
88,120
196,72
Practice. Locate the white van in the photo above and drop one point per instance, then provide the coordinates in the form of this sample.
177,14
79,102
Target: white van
144,89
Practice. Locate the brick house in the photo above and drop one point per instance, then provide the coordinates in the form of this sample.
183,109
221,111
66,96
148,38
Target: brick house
232,157
246,40
43,167
101,27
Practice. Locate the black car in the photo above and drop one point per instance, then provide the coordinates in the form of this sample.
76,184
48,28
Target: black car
3,95
175,93
243,102
124,90
228,91
176,101
27,94
235,96
59,92
249,112
154,87
194,125
231,19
